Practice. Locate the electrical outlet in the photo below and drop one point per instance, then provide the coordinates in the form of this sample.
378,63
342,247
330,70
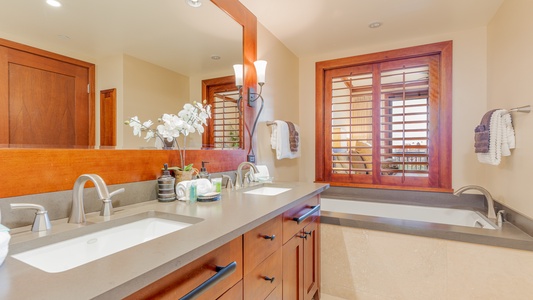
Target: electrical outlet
251,158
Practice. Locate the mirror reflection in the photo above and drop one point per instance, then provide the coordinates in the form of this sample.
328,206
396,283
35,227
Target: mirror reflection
154,57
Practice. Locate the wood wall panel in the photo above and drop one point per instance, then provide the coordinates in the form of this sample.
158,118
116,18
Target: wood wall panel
32,171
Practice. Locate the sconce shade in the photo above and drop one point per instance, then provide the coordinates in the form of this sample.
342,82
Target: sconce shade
238,69
260,68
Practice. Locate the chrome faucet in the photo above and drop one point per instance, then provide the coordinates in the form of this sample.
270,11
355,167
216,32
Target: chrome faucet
239,180
77,214
490,202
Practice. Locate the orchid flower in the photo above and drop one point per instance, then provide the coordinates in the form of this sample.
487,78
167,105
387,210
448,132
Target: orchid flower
190,119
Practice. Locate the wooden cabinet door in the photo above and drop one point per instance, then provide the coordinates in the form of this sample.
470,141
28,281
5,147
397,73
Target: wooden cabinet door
293,256
310,260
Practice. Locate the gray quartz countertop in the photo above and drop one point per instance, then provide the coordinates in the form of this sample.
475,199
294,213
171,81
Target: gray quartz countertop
122,273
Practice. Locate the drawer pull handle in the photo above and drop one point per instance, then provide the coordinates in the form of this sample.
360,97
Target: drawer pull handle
302,218
222,273
269,237
271,279
302,236
308,232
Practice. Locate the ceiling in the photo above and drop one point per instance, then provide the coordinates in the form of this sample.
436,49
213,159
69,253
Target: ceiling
314,27
168,33
163,34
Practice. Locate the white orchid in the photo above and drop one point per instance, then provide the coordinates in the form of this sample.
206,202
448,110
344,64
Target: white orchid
190,119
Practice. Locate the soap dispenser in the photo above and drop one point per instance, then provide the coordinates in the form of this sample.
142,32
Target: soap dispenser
203,171
165,184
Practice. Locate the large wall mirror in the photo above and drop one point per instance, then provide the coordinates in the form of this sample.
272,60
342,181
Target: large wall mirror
155,55
57,169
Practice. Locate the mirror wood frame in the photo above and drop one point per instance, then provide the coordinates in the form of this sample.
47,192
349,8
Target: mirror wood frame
34,171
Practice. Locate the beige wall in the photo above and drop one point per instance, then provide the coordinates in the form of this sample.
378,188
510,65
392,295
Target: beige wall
469,97
150,91
281,103
110,75
510,46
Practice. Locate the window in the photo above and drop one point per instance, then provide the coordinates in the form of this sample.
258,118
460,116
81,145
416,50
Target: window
225,127
226,120
383,119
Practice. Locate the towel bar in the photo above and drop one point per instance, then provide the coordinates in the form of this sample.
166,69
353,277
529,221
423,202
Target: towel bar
524,109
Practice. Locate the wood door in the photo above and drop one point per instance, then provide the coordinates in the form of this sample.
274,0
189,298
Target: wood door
293,256
44,101
108,117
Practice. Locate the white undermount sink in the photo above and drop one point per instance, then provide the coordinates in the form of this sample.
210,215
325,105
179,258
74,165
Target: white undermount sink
268,191
73,252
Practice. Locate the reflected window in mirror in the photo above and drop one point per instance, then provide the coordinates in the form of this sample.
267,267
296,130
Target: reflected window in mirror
225,128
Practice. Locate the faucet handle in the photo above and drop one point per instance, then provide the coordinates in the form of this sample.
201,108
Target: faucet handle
113,193
229,182
41,221
107,205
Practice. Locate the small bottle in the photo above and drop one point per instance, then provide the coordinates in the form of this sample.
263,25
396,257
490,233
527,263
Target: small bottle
165,185
203,171
193,191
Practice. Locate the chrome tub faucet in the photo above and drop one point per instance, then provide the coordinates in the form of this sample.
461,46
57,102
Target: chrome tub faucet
490,201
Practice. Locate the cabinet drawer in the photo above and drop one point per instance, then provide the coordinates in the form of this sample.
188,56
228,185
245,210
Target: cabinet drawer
260,242
262,280
235,293
292,227
187,278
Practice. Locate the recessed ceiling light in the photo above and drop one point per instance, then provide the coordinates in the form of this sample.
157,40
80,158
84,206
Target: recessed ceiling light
215,57
375,24
194,3
53,3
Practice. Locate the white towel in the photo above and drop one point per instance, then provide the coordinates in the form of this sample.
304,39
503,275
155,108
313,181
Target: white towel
279,139
203,186
263,174
501,140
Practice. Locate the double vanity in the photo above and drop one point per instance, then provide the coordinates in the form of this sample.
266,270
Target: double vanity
259,242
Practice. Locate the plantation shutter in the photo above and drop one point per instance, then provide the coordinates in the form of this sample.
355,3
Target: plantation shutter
383,122
226,120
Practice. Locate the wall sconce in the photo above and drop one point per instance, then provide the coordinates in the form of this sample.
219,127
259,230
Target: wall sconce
260,68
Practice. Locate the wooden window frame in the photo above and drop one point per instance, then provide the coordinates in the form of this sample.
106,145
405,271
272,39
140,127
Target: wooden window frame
209,88
444,142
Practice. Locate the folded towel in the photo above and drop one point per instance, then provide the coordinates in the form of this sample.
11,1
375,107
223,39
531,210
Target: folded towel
279,140
502,138
203,186
482,133
294,137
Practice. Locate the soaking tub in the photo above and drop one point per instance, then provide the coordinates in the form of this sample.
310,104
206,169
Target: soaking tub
449,216
429,221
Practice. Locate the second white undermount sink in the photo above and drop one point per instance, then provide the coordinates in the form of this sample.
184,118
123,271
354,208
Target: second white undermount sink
268,191
77,251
